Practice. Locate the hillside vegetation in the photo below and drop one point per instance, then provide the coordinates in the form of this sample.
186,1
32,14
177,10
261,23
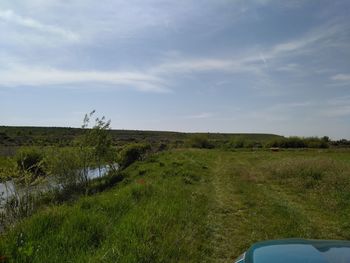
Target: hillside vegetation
193,206
45,136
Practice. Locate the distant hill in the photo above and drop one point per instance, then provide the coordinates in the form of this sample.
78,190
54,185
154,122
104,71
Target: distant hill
20,136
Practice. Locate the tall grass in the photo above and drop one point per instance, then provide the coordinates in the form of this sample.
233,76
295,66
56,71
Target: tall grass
323,178
153,217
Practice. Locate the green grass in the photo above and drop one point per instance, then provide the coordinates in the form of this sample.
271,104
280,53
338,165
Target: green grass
151,217
5,163
194,206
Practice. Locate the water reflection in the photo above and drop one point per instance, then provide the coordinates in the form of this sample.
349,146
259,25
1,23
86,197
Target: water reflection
8,188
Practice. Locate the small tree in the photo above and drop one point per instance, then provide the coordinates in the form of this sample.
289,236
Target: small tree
96,143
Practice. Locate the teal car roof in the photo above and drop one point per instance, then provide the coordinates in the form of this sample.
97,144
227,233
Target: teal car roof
299,251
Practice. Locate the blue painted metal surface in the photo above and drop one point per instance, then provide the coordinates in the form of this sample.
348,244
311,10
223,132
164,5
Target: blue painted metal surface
298,251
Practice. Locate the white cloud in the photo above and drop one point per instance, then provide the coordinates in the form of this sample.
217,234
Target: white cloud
42,77
290,4
334,107
291,67
341,77
256,60
153,79
194,65
311,42
340,80
11,17
203,115
336,111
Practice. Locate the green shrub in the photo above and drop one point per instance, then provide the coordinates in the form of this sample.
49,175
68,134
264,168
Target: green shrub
132,153
162,147
341,143
65,166
30,159
237,143
314,142
200,141
296,142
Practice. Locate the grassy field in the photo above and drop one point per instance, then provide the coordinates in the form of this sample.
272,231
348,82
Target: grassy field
194,206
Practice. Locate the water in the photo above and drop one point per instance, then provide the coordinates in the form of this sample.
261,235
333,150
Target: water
7,189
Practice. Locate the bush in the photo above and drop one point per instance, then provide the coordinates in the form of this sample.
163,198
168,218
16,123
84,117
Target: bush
291,142
132,153
314,142
31,160
200,141
162,147
296,142
237,143
341,143
65,166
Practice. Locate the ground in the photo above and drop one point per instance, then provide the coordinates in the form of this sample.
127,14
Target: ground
194,206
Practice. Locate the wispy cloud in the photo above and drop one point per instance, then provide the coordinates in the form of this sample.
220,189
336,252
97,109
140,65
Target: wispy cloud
291,67
283,4
202,65
340,80
203,115
153,79
43,77
30,23
341,77
337,107
256,60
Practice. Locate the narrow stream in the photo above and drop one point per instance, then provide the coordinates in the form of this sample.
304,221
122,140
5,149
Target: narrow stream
7,189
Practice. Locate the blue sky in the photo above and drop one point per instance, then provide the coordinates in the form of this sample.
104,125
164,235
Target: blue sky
268,66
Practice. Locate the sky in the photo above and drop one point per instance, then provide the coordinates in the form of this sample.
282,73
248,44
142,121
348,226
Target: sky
255,66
